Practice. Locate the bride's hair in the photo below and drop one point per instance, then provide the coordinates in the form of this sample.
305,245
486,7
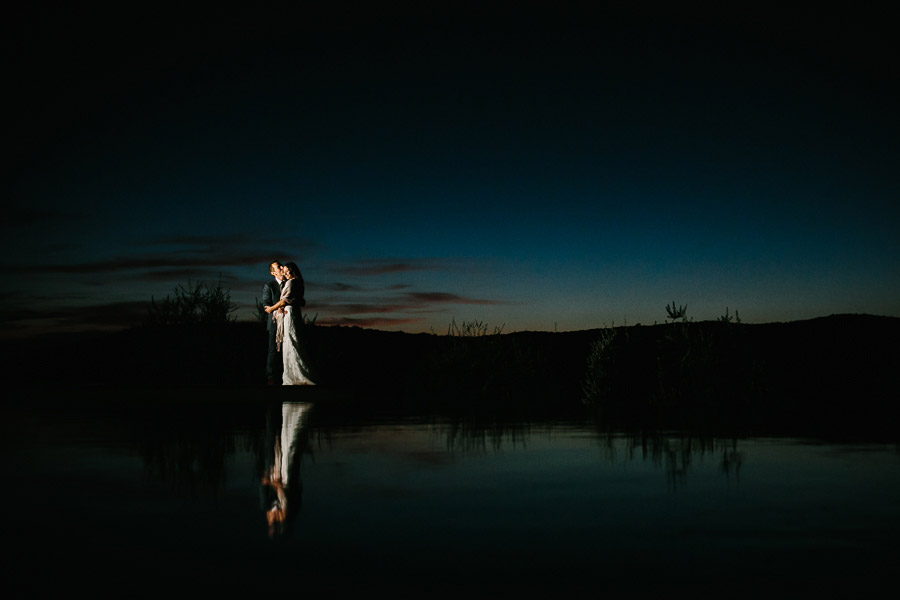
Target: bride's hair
293,269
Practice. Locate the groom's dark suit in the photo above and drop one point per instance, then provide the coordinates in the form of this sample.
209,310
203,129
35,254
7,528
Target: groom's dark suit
271,295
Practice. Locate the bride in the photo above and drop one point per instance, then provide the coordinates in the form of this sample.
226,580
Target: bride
290,321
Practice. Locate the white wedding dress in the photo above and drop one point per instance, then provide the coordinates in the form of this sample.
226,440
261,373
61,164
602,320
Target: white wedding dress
295,369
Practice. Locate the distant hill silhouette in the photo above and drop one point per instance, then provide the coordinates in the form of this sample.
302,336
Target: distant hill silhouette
827,371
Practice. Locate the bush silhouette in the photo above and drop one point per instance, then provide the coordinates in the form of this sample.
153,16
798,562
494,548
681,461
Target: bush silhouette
194,304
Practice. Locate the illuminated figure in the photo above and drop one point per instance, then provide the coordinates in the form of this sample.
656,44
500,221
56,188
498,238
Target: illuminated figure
290,322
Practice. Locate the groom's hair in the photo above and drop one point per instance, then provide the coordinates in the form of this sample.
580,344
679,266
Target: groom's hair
274,262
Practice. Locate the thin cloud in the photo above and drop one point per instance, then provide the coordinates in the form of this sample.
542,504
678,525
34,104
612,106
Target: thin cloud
338,286
446,298
369,321
113,315
382,269
148,262
356,309
228,242
387,266
401,309
333,287
11,318
416,301
190,275
178,275
110,314
185,253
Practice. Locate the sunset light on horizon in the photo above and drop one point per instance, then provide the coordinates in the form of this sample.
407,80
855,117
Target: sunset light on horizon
527,166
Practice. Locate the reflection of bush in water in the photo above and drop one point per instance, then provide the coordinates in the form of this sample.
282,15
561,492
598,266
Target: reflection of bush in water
675,453
469,436
192,463
185,436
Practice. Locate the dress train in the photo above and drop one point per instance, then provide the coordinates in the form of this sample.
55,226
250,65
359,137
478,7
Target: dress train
295,369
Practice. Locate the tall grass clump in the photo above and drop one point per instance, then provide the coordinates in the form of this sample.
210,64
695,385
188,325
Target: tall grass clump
191,335
467,329
194,304
678,373
476,368
601,367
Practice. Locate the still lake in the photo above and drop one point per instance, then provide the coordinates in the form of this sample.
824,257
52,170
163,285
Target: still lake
132,492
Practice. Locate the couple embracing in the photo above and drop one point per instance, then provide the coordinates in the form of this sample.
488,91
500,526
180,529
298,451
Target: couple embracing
282,299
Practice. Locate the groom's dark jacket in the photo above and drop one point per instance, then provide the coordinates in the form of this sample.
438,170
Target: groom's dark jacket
271,294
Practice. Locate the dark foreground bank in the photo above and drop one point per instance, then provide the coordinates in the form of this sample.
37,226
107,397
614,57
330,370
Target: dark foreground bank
831,372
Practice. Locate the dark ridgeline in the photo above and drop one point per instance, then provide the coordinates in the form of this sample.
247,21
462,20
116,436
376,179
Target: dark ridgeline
834,374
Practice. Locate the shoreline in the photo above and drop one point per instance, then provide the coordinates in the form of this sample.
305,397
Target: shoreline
827,373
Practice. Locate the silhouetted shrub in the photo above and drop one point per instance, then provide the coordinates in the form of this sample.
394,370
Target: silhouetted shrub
195,304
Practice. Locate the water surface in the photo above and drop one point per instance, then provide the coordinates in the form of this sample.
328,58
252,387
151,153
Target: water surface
270,492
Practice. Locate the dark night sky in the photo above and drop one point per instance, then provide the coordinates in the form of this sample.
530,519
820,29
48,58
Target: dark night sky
525,165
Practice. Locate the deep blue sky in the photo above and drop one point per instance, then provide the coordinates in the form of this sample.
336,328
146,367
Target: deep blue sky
525,165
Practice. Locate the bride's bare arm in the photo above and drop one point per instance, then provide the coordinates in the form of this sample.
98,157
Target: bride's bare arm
274,307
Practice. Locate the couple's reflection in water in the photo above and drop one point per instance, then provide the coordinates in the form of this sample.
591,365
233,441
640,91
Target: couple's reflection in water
281,488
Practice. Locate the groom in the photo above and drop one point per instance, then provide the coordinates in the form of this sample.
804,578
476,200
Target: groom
271,294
